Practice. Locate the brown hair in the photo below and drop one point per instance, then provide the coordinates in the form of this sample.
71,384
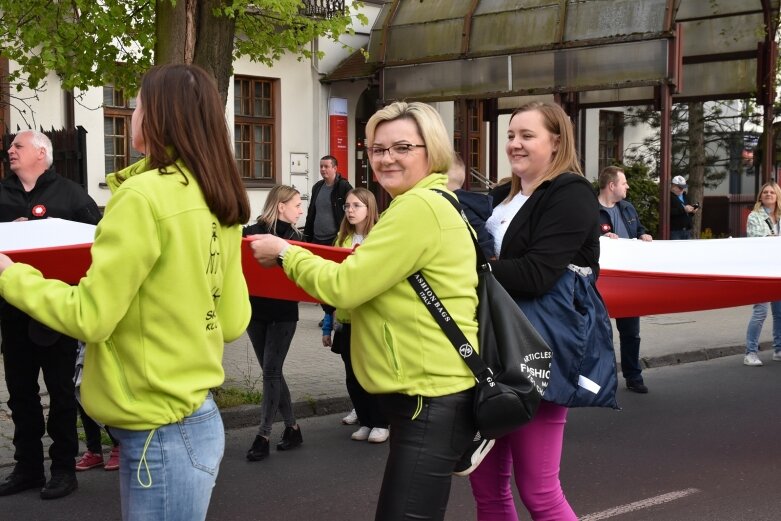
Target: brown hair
608,175
372,214
184,118
332,159
565,159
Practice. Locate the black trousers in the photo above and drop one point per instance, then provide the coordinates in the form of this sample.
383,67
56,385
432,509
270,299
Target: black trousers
92,433
29,348
366,405
629,335
427,438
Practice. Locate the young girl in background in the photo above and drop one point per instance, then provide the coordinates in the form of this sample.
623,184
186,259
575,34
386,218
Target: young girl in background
272,326
360,215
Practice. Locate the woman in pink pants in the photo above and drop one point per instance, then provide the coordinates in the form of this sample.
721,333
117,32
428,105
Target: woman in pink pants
546,237
532,453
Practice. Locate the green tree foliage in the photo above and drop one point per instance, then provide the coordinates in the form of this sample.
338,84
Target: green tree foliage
704,139
720,121
89,43
81,40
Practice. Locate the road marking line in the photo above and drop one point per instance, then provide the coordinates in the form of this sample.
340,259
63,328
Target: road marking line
639,505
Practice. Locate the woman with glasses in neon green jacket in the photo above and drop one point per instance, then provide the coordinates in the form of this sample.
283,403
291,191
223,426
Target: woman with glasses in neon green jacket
398,350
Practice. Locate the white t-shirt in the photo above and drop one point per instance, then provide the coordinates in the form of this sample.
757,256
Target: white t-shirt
500,219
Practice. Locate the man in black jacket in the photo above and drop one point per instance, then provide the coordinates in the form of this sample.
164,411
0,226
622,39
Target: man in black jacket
326,207
35,191
619,219
681,211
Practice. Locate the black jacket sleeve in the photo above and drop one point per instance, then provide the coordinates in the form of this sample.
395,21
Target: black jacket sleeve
556,228
309,224
339,197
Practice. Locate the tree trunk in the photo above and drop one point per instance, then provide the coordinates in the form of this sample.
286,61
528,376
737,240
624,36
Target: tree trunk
174,31
188,32
214,45
696,162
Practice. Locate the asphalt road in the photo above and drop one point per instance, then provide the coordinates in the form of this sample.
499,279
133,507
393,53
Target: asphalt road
703,445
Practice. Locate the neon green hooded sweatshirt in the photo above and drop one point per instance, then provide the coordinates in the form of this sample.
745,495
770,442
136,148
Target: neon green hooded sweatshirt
164,292
399,348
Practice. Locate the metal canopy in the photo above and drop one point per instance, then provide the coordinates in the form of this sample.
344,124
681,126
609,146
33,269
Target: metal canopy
612,52
586,53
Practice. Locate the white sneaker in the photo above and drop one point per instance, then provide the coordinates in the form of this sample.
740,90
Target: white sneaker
350,419
473,456
361,434
777,356
752,359
378,435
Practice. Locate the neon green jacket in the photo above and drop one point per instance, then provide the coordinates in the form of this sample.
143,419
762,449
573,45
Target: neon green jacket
399,348
164,292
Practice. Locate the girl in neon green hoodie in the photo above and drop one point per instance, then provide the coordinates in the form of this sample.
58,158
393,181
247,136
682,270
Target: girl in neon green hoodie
164,292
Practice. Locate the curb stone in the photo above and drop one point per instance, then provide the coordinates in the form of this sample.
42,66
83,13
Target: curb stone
698,355
249,415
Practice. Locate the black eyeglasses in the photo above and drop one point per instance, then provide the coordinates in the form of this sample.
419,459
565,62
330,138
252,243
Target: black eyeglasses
395,151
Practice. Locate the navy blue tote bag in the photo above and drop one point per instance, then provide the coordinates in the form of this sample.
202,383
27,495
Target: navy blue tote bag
573,320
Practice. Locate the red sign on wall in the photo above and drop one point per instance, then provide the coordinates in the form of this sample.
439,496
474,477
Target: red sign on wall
338,130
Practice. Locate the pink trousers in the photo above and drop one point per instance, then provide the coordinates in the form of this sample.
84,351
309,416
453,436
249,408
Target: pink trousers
533,454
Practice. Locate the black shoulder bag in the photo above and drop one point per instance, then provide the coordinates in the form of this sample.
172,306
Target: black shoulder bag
513,368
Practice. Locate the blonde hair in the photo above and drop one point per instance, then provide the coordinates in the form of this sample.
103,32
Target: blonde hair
270,214
439,149
457,173
565,159
777,190
372,214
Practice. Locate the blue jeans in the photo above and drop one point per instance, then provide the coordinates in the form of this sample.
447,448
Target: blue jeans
680,235
756,322
168,474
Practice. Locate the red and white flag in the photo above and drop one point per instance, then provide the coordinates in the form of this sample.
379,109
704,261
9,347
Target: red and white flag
636,278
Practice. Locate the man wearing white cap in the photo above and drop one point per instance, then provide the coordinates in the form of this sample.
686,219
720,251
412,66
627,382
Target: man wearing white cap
680,210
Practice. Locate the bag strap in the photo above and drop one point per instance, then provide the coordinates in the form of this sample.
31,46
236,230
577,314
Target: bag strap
437,309
770,225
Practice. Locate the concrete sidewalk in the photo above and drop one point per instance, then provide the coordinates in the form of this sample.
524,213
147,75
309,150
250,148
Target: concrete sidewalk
316,376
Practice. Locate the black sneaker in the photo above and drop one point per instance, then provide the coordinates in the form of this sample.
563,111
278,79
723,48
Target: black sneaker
59,486
637,386
291,439
259,449
17,482
473,456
